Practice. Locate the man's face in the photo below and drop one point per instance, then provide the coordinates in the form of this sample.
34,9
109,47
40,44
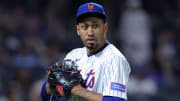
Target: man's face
92,31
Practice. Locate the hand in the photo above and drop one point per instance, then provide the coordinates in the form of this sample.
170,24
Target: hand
77,90
62,77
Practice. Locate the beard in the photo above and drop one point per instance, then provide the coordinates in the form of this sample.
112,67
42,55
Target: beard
92,46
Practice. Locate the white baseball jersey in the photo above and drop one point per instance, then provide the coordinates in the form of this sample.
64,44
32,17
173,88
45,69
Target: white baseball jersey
106,71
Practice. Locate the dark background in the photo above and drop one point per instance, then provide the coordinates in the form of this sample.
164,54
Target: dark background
36,33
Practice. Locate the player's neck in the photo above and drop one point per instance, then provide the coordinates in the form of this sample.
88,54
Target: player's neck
96,49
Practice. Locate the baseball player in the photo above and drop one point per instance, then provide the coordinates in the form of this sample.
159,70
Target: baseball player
103,67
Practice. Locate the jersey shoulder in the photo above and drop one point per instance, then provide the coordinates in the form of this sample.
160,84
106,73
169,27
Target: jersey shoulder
75,53
111,51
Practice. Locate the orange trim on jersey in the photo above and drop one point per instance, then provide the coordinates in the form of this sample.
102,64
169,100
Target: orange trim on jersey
91,83
92,79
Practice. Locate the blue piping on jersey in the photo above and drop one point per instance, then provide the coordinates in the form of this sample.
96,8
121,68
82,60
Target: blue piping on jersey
107,43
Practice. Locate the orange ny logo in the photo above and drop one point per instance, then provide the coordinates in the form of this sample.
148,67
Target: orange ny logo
90,7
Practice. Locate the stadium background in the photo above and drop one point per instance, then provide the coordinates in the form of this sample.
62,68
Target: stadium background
36,33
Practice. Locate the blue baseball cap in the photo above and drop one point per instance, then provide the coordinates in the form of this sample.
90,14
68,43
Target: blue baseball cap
91,9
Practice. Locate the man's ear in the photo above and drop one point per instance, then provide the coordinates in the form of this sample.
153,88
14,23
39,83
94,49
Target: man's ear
77,29
106,26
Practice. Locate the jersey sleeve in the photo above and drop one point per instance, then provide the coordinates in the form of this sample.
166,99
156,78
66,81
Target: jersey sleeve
116,75
44,96
110,98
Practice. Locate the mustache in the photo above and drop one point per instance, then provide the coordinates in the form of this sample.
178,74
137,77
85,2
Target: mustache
91,38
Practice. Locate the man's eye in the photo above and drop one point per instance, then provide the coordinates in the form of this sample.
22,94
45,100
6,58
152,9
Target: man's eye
84,26
95,25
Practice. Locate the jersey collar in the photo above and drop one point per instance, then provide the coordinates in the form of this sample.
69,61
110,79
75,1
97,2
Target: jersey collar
107,43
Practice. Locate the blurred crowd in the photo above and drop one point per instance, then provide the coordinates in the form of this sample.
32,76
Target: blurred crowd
36,33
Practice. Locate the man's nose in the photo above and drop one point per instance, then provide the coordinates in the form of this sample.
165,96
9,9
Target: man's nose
90,31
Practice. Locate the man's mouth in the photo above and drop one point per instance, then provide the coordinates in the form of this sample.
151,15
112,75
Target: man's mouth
90,40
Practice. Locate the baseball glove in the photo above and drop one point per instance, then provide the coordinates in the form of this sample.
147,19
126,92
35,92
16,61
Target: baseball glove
62,77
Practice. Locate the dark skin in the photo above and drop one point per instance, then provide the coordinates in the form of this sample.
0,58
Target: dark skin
92,31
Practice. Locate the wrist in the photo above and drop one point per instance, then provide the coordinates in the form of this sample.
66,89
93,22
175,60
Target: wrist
78,90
